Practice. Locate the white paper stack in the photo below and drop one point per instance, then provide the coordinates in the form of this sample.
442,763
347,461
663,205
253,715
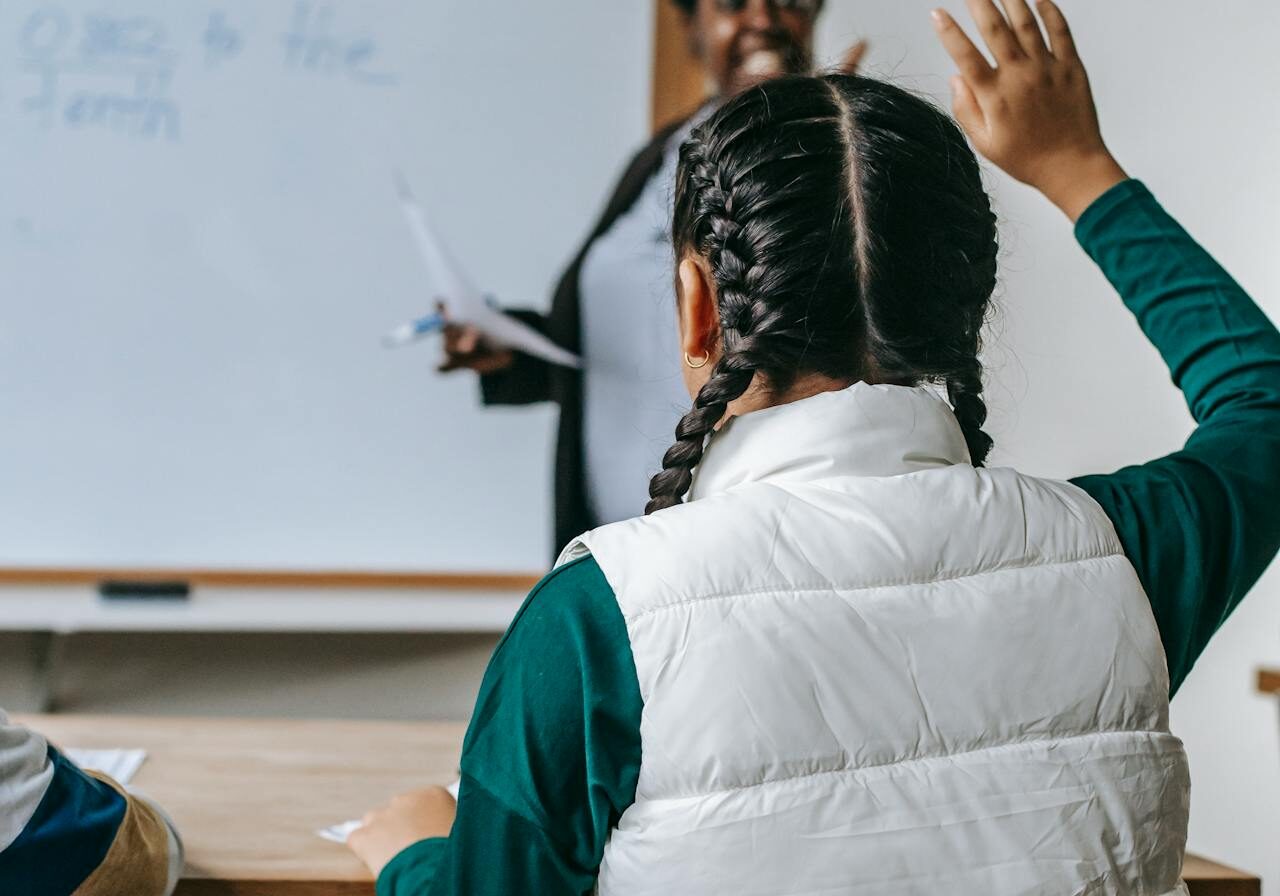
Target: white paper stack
121,765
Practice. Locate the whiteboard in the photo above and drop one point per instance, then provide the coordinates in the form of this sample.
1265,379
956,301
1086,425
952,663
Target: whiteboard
200,249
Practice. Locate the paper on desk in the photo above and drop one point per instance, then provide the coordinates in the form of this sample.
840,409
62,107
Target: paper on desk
121,765
339,833
463,302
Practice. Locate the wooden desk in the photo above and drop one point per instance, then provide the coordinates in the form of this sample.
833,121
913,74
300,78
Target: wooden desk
1269,681
1206,878
249,795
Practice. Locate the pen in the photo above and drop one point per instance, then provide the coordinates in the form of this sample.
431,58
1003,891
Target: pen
414,330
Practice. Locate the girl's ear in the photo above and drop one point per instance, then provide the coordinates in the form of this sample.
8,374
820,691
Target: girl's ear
699,317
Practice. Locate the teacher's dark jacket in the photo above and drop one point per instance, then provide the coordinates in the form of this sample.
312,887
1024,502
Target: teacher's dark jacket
529,380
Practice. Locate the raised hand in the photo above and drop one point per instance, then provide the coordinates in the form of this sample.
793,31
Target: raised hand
1032,112
852,58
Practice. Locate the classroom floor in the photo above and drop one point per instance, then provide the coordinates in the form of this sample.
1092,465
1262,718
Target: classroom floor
282,675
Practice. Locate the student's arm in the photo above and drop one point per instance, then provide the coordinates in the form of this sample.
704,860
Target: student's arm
64,831
550,760
1199,525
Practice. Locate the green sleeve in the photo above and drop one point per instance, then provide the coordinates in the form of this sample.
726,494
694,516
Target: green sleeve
1201,524
552,755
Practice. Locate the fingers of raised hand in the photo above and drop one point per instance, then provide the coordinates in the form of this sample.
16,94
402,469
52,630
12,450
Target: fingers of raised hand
1026,28
967,110
995,31
853,58
1061,44
968,58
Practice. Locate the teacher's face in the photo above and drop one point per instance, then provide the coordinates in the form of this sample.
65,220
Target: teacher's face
744,42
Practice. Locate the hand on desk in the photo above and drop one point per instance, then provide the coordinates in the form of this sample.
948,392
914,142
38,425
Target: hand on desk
408,818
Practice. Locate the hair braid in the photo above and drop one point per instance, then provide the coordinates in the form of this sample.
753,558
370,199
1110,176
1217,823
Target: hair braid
743,321
730,378
964,390
847,236
926,245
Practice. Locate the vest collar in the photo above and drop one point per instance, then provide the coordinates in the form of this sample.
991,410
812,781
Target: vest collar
863,430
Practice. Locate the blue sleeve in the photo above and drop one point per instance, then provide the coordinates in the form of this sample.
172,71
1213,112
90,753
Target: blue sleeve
66,838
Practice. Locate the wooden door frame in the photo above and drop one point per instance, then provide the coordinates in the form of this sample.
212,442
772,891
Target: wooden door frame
679,85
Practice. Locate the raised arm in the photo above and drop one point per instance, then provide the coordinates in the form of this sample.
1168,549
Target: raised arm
1199,525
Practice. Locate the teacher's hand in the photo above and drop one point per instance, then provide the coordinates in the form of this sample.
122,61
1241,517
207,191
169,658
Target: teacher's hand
1032,112
851,61
466,348
408,818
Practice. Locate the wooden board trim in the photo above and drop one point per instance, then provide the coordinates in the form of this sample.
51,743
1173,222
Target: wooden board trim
679,85
1205,877
190,886
252,578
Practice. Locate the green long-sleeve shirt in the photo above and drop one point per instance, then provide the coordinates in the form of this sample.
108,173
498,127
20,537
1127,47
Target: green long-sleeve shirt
552,755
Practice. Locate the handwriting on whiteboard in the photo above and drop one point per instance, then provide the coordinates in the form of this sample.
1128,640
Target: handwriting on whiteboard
116,72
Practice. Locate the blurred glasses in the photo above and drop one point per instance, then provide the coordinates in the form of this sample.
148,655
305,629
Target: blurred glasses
806,7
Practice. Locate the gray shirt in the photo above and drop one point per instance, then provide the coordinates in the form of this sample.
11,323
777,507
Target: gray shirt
633,391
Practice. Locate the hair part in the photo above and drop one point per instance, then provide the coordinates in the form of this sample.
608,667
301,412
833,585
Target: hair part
847,232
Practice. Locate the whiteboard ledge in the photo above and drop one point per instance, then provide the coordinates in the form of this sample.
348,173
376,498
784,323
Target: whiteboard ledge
270,578
76,608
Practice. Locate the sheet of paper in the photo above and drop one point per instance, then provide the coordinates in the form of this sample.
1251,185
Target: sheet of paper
463,302
339,833
121,765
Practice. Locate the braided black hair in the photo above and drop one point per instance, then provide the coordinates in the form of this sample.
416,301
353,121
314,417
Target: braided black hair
848,234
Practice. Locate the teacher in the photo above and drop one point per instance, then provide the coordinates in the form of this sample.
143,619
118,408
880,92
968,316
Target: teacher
613,304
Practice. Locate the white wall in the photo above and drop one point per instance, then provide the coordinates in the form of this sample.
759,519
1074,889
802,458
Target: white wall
1187,93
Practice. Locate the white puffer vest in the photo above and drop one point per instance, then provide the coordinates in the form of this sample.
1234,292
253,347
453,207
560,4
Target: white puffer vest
868,668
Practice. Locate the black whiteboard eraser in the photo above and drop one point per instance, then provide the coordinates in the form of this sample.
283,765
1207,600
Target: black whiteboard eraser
122,589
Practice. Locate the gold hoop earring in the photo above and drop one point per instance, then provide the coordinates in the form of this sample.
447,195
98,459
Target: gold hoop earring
700,364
